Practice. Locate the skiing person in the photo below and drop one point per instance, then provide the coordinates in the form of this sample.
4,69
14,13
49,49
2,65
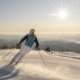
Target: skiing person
25,48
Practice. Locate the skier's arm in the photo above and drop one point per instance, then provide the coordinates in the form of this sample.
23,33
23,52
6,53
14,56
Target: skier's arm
25,37
37,43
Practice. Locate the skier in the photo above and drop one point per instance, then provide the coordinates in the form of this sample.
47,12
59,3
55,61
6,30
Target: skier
25,48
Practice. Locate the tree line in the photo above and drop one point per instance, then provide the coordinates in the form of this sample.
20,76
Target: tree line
5,46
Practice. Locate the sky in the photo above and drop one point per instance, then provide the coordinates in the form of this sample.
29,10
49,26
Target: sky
19,16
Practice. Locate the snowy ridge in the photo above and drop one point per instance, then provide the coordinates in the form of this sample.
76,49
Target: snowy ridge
60,66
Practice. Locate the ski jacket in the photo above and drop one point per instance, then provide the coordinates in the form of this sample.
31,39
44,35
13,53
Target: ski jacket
30,40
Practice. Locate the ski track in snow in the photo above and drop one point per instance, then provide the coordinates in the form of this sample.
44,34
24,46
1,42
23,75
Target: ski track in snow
60,66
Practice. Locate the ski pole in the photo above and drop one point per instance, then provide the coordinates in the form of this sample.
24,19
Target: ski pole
7,53
42,58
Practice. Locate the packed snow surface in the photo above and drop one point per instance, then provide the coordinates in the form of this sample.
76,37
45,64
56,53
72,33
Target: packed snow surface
59,66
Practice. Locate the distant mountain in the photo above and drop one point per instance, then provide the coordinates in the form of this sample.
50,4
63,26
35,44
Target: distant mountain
9,42
56,45
61,46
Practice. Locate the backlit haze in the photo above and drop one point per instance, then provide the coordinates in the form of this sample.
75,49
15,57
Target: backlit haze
51,18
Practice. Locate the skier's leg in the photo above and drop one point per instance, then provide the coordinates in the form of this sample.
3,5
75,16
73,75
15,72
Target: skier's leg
27,50
15,58
17,55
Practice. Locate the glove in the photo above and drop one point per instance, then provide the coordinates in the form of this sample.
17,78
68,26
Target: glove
37,49
19,44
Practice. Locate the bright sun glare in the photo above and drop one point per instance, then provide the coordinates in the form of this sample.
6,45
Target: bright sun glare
62,14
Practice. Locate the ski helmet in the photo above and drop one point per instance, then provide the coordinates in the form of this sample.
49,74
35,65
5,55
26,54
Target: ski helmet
32,31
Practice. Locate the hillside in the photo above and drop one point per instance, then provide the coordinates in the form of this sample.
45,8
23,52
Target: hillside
60,66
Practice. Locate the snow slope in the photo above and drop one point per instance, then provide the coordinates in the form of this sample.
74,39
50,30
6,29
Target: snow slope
60,66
